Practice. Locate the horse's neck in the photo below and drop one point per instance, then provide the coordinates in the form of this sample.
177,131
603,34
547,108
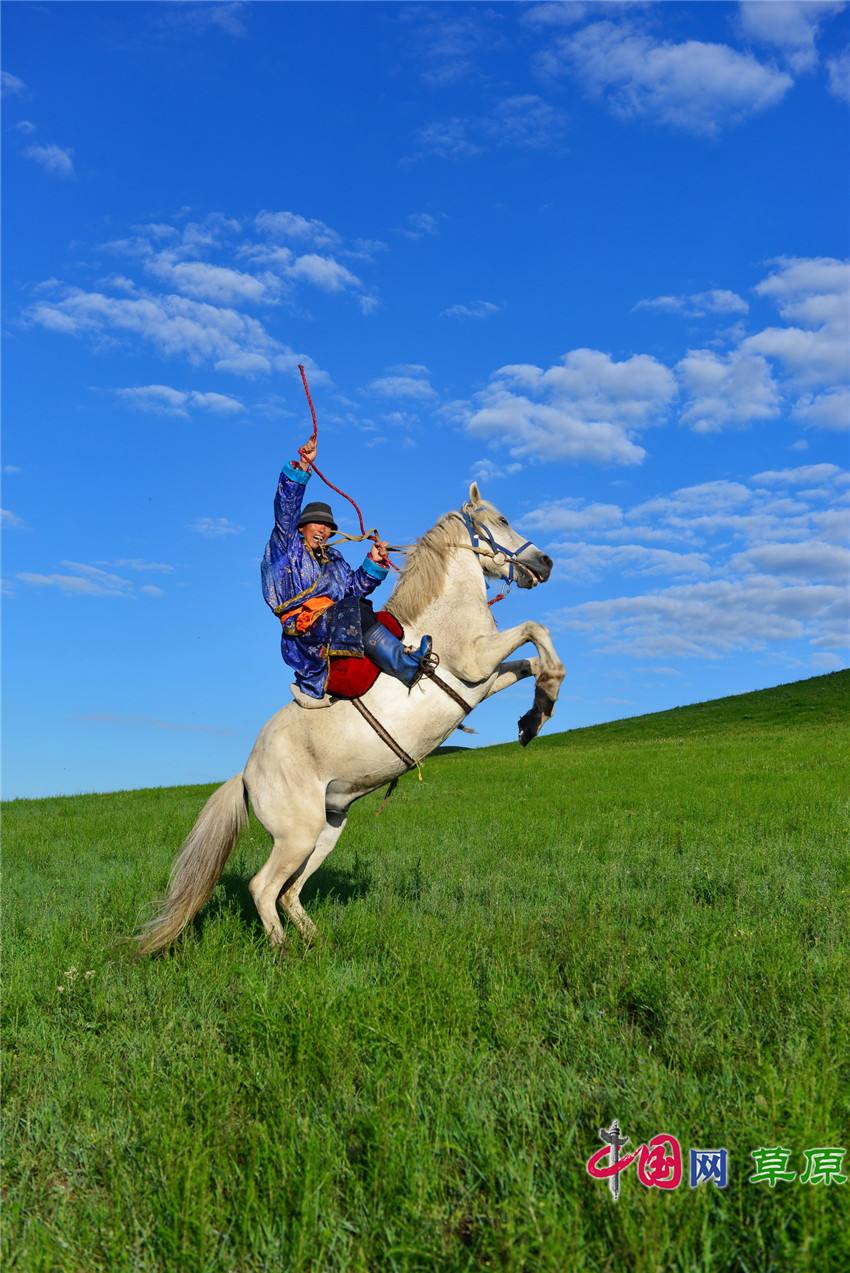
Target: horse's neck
460,611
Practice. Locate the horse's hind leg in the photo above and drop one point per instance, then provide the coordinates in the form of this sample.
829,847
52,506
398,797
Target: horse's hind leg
288,857
290,898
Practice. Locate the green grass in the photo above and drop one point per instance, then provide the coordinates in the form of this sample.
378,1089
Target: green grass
645,920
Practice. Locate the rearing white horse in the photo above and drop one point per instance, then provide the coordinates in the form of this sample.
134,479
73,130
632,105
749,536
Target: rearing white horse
308,767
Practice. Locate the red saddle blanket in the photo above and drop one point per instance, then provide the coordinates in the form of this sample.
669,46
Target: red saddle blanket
349,677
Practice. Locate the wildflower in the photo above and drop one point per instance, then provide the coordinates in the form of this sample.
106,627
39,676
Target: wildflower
89,974
71,973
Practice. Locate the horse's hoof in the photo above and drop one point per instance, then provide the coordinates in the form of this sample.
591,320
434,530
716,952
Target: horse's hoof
529,727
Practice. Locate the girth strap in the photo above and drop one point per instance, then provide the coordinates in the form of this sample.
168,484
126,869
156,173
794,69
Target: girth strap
438,680
386,737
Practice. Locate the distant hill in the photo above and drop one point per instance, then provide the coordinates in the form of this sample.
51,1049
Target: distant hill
820,700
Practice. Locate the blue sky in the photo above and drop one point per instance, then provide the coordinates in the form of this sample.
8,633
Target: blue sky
593,255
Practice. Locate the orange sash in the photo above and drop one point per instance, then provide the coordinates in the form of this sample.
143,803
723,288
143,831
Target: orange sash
307,613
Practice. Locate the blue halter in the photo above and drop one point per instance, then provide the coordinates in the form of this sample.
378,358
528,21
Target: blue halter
510,554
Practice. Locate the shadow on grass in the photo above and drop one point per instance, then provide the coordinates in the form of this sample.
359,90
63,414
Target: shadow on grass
338,884
334,884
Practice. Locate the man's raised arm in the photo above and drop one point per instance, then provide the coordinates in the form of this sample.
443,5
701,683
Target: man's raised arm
289,497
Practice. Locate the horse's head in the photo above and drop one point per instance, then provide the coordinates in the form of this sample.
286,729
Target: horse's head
502,552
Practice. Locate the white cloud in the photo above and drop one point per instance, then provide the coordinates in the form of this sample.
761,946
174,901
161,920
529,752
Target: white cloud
584,408
25,126
838,71
291,225
789,25
10,520
175,325
726,389
55,160
219,403
449,138
716,301
407,381
829,410
827,661
138,563
478,309
214,527
809,289
227,16
562,13
579,560
487,471
10,85
224,15
12,468
215,283
547,432
754,513
86,581
802,475
118,283
557,13
808,561
694,86
713,618
810,357
420,225
524,120
572,515
151,590
323,272
163,400
815,293
449,40
160,399
761,563
692,500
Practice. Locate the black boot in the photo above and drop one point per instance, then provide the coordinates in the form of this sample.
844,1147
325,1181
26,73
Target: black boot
389,654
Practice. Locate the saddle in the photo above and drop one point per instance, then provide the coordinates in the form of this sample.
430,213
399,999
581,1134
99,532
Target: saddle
350,676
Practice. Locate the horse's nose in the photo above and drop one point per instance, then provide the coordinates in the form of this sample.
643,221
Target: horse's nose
547,561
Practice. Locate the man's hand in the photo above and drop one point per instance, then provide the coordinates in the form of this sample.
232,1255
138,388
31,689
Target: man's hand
306,454
378,552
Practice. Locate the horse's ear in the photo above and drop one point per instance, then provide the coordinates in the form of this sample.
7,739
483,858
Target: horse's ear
474,494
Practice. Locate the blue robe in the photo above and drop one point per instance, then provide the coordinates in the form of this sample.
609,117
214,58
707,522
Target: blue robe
291,573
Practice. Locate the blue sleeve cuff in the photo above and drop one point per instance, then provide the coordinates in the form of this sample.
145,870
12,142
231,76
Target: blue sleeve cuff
375,569
294,474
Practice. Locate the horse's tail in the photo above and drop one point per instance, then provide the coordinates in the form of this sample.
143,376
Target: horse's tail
198,865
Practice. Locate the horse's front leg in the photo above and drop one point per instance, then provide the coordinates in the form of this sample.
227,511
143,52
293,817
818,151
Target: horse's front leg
511,672
485,654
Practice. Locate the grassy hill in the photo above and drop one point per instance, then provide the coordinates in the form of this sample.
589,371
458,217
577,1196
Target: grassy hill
818,701
645,920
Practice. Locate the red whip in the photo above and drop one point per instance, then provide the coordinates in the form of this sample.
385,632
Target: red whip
374,537
319,473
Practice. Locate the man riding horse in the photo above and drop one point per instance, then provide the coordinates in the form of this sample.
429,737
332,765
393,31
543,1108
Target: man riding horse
320,601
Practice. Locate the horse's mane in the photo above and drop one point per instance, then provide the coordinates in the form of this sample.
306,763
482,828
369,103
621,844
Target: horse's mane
425,573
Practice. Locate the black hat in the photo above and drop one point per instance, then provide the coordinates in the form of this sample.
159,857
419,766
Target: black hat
317,512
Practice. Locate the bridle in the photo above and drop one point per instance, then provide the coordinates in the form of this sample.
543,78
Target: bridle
476,529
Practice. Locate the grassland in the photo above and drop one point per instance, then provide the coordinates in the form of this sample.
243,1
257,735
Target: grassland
646,920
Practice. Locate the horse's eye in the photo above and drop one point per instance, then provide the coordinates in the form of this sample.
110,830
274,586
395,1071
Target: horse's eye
503,521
